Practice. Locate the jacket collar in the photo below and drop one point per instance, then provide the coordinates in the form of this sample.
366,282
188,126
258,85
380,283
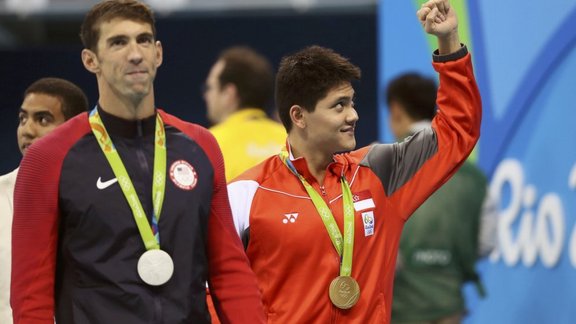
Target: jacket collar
116,126
337,167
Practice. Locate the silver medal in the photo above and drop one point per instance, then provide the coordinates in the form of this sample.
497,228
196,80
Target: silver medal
155,267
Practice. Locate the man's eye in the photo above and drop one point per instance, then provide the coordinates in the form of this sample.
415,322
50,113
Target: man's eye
44,121
118,42
146,40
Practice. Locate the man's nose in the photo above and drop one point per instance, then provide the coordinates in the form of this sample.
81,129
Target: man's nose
135,53
28,128
352,116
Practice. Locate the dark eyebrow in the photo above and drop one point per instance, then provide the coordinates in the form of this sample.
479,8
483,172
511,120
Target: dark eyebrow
342,98
115,38
145,35
40,113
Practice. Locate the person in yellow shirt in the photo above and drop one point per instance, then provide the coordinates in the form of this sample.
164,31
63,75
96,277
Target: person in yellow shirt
238,88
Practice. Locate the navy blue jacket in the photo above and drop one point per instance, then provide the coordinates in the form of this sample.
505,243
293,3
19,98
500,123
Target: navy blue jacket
77,244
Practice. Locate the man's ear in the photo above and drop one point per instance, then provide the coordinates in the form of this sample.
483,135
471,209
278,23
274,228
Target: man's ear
230,91
159,54
90,61
297,116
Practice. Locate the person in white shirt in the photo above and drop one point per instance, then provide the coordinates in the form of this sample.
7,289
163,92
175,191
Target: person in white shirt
48,102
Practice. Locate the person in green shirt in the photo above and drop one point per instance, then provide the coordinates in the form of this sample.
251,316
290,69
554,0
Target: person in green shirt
443,239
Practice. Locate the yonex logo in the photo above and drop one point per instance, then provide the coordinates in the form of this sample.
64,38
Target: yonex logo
290,218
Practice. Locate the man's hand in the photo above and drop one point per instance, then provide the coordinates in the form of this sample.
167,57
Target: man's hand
439,19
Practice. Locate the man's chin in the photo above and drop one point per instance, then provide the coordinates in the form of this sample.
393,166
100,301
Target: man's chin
137,93
351,145
347,147
144,86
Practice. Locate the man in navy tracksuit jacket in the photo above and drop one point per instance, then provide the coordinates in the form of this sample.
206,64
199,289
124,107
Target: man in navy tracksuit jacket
75,240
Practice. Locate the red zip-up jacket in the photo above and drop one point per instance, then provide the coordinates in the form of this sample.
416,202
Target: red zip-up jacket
287,243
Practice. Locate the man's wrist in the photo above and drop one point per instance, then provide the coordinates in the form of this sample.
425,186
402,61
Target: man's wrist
449,43
460,53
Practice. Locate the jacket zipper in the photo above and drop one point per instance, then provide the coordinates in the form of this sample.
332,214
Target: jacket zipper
335,311
139,149
158,316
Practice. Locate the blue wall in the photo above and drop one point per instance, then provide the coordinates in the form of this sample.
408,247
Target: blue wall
525,62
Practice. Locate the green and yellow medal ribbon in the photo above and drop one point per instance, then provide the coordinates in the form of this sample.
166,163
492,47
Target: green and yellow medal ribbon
344,245
149,233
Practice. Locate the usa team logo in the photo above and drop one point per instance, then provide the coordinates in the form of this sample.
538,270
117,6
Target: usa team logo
183,175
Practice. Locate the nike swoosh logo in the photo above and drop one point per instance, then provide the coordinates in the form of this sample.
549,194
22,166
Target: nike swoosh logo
103,185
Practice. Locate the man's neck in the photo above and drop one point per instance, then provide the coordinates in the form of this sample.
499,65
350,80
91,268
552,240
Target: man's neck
316,160
127,109
232,109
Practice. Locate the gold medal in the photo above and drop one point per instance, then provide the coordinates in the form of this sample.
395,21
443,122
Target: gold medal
344,292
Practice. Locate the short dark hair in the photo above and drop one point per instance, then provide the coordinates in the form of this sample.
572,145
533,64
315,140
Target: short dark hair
108,10
251,73
416,93
307,76
73,99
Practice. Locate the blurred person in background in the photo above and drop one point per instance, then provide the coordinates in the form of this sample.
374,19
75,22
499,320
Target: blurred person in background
121,215
321,221
238,89
444,238
48,102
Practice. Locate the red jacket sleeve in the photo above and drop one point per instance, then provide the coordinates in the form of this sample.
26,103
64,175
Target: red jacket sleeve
35,226
233,285
457,129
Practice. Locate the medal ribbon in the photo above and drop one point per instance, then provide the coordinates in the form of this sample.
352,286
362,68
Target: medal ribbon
150,235
343,245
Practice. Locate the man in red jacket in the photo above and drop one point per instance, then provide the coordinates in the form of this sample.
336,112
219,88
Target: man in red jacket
321,223
121,215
